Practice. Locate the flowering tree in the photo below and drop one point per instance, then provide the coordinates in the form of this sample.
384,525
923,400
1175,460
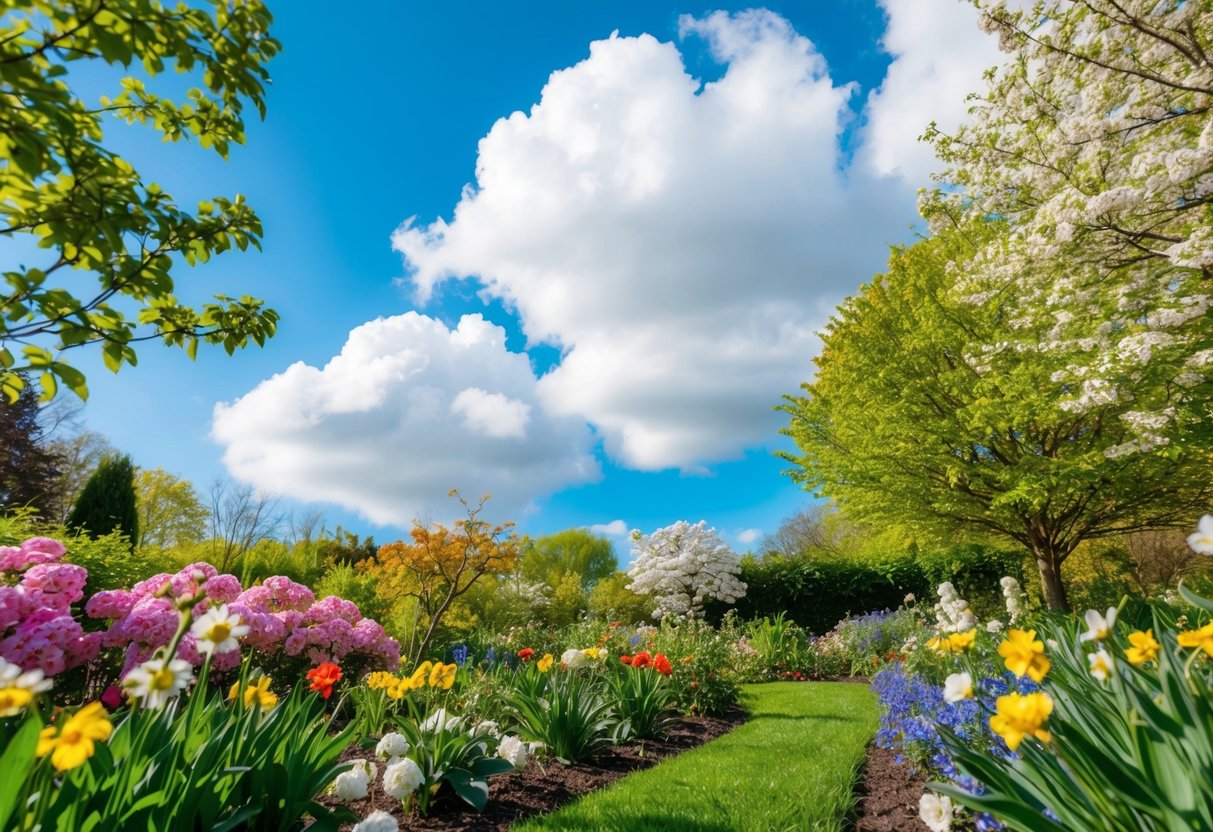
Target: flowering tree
909,421
442,564
681,566
1094,148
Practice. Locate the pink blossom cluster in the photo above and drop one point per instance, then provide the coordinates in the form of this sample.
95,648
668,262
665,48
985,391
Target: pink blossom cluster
284,618
37,630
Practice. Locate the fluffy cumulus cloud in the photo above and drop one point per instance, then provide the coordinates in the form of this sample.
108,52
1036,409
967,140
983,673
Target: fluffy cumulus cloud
408,410
679,242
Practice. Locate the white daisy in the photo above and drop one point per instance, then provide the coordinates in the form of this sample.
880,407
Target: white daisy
216,631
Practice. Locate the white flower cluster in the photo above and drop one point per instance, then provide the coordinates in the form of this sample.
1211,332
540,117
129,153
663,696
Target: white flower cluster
402,778
1012,594
355,783
952,611
935,811
392,745
514,751
377,821
682,566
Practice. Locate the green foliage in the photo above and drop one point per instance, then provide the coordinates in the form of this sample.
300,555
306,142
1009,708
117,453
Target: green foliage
170,511
818,593
642,697
568,601
571,552
199,764
569,714
703,681
108,503
914,419
611,599
66,192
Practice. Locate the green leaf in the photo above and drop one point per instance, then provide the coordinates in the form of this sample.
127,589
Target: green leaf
17,762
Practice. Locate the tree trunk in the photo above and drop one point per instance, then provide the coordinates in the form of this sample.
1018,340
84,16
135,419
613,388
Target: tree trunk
1049,564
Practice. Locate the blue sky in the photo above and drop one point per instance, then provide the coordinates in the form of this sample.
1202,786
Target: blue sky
650,242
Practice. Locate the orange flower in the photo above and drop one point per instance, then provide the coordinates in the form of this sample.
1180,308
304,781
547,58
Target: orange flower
642,659
662,665
625,659
525,653
324,677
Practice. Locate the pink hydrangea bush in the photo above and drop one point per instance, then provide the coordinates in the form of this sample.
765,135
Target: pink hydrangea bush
285,620
37,591
38,629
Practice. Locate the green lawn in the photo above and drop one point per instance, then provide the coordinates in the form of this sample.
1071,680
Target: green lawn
791,767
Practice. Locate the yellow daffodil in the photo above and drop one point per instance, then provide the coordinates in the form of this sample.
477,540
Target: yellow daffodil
590,652
1025,654
76,742
545,664
443,675
397,688
1145,648
1021,715
256,693
419,676
934,643
1202,638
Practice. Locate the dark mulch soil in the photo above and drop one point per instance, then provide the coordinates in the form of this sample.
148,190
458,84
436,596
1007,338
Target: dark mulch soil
887,795
541,789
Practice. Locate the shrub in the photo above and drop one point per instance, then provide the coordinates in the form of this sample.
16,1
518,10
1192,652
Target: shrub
569,713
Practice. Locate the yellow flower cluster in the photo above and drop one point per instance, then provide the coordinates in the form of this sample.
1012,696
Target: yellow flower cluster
433,674
955,643
545,664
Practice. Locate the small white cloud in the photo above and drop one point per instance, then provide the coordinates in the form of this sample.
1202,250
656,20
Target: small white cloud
372,429
615,528
749,536
492,414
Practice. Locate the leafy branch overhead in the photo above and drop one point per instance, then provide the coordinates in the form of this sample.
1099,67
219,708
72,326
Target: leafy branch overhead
64,193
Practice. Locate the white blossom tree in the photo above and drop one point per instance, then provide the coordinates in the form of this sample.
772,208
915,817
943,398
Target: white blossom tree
682,566
1093,145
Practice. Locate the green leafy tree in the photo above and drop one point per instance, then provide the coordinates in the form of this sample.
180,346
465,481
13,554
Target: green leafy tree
912,419
108,501
66,192
573,551
29,470
611,599
170,511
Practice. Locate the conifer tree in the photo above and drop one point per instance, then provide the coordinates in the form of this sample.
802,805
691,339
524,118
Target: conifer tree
108,502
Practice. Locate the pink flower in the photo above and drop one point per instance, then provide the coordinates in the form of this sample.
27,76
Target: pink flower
15,605
221,589
55,585
45,547
110,603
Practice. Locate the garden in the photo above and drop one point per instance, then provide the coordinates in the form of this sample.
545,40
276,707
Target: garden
994,612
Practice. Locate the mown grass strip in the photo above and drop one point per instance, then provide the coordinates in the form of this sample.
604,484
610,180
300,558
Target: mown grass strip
791,767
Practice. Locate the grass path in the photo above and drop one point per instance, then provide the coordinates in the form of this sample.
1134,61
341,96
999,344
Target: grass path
790,768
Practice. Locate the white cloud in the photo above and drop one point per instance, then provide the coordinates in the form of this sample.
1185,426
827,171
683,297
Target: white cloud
373,430
749,536
492,414
939,57
615,528
681,245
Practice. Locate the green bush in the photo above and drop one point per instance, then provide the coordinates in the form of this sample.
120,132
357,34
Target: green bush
817,593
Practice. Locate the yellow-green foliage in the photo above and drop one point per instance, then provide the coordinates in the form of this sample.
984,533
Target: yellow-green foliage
611,599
